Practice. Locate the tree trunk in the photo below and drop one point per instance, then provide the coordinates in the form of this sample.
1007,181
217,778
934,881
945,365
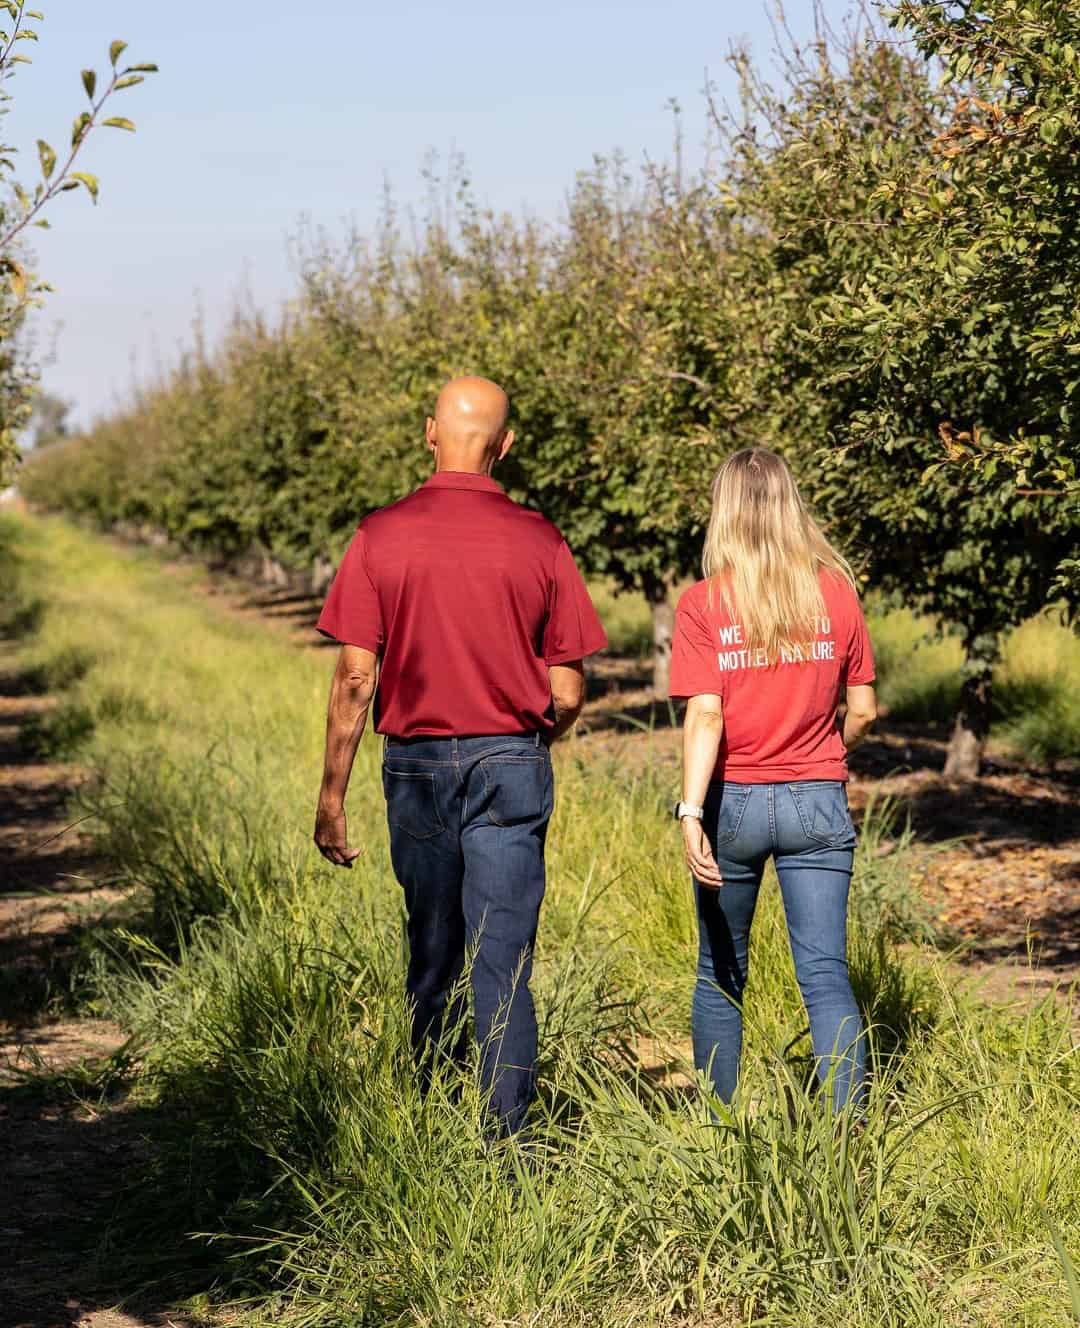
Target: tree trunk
973,717
658,593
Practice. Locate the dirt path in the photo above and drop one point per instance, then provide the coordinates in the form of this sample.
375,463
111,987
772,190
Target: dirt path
61,1159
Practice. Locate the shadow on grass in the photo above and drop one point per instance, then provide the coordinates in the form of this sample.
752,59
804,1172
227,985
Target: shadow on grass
104,1194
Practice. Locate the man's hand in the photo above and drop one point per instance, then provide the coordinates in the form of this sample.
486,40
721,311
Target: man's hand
699,856
332,838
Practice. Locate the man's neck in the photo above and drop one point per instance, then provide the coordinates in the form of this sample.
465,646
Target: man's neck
461,466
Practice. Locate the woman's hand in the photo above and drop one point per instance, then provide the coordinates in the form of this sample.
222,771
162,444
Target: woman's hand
699,856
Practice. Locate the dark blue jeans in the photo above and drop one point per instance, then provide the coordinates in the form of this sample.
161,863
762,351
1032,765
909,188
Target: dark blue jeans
468,818
806,828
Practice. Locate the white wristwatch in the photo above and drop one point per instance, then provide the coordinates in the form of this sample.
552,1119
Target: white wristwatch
685,809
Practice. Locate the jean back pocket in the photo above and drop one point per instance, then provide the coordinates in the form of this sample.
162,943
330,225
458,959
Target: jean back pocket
823,811
411,804
517,789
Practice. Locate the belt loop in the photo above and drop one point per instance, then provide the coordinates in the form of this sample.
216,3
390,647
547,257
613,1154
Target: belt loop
453,749
536,739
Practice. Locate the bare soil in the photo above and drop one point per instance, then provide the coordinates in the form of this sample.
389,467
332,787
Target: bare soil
62,1160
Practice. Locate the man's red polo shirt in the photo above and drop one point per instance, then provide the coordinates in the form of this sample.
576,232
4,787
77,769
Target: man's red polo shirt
468,598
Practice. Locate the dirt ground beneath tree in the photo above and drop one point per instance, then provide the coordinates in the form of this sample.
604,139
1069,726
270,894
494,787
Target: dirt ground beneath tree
62,1160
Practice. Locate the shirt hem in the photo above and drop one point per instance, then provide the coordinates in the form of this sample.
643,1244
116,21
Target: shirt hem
367,644
834,771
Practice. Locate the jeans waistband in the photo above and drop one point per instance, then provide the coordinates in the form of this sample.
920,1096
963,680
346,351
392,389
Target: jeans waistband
453,744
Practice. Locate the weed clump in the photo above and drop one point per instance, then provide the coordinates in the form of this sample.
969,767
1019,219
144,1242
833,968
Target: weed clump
59,734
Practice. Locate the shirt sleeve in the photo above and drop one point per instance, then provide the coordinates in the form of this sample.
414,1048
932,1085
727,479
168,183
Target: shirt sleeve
352,614
573,629
694,670
859,669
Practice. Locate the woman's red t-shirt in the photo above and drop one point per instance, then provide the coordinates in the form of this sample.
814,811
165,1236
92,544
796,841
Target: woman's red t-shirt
779,719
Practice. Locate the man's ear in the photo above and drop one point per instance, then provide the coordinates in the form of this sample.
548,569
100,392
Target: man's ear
506,444
431,434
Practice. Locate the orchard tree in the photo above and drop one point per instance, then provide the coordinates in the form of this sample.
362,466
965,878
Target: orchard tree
630,399
49,420
24,205
918,276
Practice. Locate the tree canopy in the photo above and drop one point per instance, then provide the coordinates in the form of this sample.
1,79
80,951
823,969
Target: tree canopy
876,277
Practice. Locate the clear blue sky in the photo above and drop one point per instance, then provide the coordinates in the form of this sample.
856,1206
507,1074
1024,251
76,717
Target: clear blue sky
266,113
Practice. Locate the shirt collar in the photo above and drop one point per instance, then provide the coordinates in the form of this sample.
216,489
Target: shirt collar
463,479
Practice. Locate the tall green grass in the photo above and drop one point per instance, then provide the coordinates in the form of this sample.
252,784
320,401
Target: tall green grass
263,992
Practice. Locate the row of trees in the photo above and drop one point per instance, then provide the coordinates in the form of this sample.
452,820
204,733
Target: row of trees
879,281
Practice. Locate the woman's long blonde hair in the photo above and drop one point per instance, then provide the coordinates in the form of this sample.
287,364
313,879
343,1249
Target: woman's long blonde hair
764,553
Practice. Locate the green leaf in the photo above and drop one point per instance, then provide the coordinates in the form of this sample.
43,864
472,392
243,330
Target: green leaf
89,80
119,122
78,129
141,69
26,34
36,15
89,181
47,157
116,50
128,82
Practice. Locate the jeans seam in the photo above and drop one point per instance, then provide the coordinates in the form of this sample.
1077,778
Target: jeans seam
744,799
415,760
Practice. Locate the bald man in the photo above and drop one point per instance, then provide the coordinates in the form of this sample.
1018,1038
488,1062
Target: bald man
462,616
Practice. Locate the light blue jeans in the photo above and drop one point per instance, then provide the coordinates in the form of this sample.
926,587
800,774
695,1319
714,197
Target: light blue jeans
806,828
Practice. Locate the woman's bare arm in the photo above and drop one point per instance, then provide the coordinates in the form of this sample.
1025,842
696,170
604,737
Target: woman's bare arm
860,716
703,728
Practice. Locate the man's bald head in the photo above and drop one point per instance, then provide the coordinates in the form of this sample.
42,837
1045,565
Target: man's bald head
468,431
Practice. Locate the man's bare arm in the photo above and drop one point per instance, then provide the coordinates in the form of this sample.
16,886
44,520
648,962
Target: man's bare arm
567,695
351,693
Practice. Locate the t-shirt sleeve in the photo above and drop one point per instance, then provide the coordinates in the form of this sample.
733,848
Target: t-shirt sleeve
694,670
573,629
859,669
352,614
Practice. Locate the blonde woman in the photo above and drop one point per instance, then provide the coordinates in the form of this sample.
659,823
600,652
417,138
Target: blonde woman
766,649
